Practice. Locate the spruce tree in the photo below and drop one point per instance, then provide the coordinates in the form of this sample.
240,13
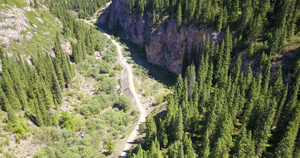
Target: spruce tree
179,16
245,145
178,124
7,107
220,21
286,146
151,131
188,147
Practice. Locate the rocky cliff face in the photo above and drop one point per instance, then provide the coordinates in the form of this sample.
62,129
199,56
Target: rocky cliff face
165,46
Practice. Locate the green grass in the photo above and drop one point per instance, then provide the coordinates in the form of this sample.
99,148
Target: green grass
41,40
18,3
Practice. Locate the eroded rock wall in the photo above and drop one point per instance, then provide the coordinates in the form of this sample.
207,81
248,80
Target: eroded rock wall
165,44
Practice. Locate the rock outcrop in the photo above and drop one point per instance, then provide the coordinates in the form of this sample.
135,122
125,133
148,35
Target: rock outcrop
166,44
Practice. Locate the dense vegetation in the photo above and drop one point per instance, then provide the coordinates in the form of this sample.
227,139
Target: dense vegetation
36,87
267,25
216,111
85,9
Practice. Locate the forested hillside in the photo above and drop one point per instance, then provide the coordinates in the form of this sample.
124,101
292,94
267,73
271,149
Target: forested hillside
56,79
220,107
85,9
217,112
265,25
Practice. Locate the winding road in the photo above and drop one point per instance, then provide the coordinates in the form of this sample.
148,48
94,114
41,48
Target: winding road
127,67
143,113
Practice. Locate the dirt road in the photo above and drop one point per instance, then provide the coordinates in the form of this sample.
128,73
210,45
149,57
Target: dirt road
143,113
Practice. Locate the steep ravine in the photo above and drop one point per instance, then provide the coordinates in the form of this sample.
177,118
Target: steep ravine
165,46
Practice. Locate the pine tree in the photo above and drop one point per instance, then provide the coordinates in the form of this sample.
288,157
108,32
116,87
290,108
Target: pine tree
198,10
264,127
38,114
19,86
251,50
286,146
191,75
176,150
220,149
7,107
246,16
280,106
266,78
235,9
220,21
188,148
131,6
161,133
277,85
245,145
192,8
291,19
153,18
219,67
8,89
75,53
225,18
205,150
166,3
151,131
275,42
178,124
227,55
236,69
179,15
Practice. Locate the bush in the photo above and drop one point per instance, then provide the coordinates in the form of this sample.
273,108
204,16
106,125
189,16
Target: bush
8,128
124,102
126,54
80,96
118,67
108,85
98,103
159,98
109,57
130,62
110,147
70,121
20,131
103,68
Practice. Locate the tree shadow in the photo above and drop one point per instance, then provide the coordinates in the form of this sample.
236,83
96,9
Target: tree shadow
138,54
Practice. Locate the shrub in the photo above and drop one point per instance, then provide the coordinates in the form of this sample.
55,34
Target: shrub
110,147
124,102
109,57
103,68
118,67
20,131
126,54
8,128
108,85
80,96
70,121
159,98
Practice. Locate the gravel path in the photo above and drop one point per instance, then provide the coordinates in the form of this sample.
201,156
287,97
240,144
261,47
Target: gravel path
143,113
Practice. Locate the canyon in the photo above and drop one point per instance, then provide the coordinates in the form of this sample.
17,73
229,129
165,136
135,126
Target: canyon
165,44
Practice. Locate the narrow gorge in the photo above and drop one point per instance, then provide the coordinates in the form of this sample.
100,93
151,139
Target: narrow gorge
165,44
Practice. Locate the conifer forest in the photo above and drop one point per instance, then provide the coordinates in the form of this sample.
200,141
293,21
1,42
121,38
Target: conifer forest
79,79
